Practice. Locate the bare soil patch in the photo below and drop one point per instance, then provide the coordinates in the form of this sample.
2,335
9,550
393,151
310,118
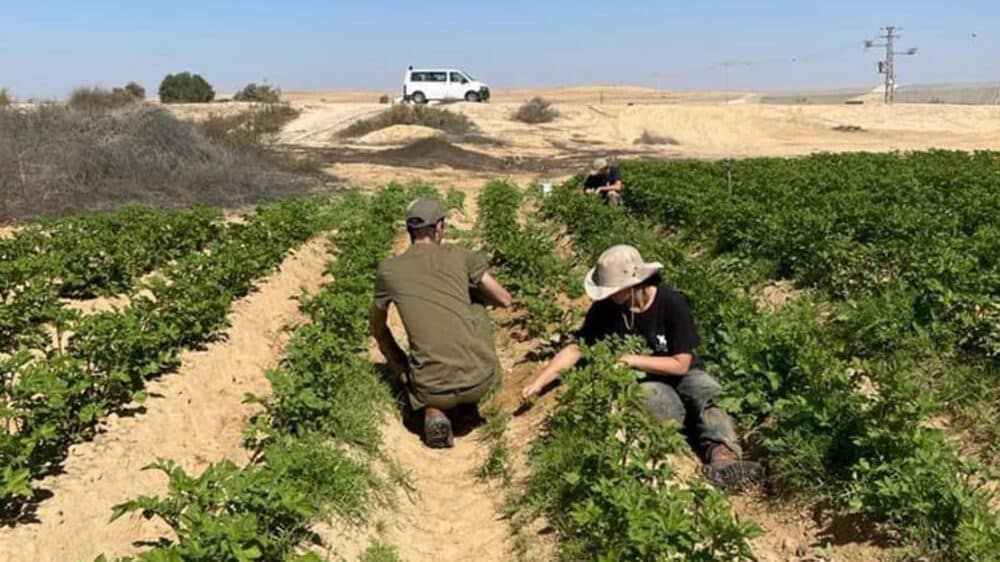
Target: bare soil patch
435,152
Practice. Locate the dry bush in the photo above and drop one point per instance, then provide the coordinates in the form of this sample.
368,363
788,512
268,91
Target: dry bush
92,98
252,127
849,129
403,114
264,93
649,138
4,97
535,110
137,91
384,98
57,160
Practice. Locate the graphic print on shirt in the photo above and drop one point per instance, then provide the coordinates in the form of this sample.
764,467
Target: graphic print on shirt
661,344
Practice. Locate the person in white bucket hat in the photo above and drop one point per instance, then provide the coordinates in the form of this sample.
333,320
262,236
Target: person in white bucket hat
630,298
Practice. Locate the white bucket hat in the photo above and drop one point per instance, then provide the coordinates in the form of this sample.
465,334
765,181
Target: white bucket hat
619,267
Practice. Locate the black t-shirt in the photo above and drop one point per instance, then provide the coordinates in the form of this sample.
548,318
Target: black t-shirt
667,325
602,179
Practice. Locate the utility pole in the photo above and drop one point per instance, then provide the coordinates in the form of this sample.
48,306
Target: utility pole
888,65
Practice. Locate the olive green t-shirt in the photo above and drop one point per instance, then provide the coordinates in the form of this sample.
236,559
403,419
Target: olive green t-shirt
451,341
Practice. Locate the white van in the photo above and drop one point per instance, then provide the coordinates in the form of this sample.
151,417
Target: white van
421,85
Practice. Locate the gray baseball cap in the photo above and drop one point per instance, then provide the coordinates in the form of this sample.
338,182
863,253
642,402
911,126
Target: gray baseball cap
423,212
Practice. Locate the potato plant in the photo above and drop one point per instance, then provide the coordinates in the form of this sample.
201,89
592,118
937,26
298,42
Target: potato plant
825,437
85,256
57,400
324,411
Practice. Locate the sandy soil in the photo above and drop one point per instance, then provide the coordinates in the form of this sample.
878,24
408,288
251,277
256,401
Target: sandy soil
702,125
195,416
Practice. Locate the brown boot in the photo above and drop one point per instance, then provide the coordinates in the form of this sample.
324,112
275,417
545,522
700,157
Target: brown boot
437,429
726,471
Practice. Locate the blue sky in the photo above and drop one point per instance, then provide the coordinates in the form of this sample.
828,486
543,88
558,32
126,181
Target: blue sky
47,47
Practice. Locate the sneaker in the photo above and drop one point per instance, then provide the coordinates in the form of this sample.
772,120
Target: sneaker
733,475
437,433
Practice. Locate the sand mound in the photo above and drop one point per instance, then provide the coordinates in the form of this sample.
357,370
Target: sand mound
400,134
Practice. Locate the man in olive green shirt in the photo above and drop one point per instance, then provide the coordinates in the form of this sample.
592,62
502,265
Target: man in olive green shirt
451,361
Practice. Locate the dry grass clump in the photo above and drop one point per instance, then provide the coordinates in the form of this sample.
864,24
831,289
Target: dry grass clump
93,98
535,110
252,127
649,138
849,129
403,114
56,160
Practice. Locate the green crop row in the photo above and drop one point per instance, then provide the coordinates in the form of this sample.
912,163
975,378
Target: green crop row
326,404
600,472
906,245
88,255
852,431
923,227
525,258
51,402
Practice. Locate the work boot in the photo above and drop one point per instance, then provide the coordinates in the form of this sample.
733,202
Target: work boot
437,430
727,472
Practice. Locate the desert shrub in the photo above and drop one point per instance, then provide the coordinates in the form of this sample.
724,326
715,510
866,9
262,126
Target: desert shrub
649,138
58,161
92,98
384,98
402,114
252,127
185,88
137,91
536,110
258,92
4,97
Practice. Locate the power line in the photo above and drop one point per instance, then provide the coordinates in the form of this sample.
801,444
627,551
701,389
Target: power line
888,65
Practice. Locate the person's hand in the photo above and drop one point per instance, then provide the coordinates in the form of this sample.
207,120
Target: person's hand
628,360
531,390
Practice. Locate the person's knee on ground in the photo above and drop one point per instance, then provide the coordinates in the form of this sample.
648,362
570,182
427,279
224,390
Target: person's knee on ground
698,388
662,402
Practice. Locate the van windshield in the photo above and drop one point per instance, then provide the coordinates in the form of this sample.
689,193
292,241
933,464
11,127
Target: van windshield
467,75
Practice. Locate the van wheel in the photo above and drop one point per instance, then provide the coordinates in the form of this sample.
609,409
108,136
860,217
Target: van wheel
472,96
418,97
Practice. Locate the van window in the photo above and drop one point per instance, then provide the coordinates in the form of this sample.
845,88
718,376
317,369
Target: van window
437,77
418,77
457,77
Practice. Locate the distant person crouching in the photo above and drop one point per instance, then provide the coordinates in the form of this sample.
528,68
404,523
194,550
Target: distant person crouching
605,179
